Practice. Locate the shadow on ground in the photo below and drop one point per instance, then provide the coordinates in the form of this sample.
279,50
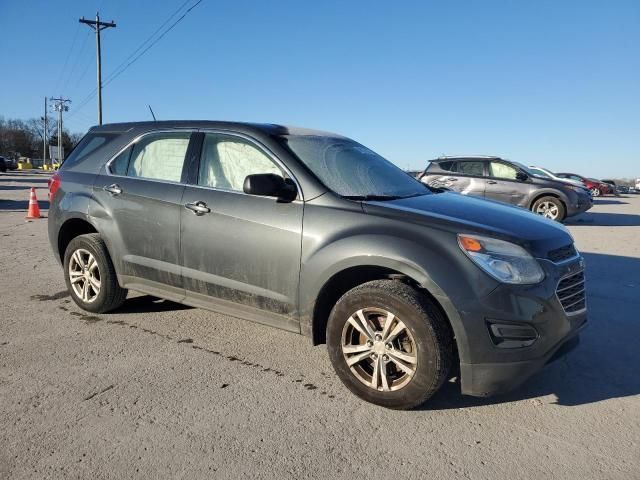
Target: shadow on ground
149,304
604,365
25,187
605,219
21,205
31,179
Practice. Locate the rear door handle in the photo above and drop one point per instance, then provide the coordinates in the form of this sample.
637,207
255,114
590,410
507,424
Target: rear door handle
199,208
113,189
491,182
452,179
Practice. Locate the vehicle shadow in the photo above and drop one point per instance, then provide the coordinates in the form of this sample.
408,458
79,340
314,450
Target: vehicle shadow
21,205
16,187
605,363
24,180
603,201
149,304
605,219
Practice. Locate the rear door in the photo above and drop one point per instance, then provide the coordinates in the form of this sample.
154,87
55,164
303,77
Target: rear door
139,193
503,185
240,253
470,177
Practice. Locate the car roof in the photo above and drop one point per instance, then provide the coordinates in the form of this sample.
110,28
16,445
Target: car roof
465,158
247,127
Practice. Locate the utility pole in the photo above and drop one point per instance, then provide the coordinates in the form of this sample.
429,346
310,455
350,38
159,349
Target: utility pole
60,106
44,136
97,25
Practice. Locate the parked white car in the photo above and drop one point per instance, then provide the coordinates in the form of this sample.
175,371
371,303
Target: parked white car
543,172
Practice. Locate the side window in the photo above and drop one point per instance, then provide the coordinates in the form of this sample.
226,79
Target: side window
502,170
226,161
475,169
159,156
447,166
119,165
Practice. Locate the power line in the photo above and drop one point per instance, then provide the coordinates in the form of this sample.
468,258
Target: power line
154,42
148,39
66,61
116,73
78,57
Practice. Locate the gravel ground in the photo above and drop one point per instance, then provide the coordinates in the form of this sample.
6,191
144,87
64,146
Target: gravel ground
162,390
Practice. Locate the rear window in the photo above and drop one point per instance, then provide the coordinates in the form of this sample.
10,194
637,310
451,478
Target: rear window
89,144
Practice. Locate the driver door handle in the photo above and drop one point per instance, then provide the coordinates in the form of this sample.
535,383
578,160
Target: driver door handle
491,182
113,189
198,208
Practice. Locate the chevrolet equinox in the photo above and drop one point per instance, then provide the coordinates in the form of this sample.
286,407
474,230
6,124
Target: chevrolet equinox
314,233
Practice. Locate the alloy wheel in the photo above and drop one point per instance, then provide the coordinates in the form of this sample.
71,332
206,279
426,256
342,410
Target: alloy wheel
595,192
379,349
84,275
548,210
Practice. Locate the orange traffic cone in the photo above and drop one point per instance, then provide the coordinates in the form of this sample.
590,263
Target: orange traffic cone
34,209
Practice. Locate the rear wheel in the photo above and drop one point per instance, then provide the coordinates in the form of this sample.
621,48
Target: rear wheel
90,276
389,344
549,207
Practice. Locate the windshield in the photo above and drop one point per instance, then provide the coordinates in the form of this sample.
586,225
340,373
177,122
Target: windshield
352,170
526,170
539,172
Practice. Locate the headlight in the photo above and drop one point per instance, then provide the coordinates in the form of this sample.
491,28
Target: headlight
504,261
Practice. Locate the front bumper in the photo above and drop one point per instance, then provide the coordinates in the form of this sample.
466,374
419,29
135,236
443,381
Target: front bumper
489,368
486,379
582,204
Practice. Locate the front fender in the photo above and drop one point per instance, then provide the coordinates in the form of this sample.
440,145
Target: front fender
430,266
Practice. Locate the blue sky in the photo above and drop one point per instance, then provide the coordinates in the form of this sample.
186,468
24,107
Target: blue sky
552,83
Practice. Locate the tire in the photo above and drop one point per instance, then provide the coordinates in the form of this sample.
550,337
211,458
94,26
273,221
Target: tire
108,295
425,340
550,207
595,192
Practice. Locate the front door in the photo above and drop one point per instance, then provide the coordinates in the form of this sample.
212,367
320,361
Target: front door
503,184
138,207
240,253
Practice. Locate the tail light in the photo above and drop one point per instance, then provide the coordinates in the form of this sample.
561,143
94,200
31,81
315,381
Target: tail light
54,184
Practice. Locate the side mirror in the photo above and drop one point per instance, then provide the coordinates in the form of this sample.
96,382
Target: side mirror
522,176
270,185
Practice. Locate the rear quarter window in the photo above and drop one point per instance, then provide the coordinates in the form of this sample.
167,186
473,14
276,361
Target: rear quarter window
89,144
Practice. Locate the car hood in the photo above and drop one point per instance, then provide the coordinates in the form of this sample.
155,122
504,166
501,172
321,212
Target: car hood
465,214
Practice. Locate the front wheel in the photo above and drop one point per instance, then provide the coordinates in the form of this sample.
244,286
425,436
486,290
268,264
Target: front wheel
389,344
90,276
595,192
549,207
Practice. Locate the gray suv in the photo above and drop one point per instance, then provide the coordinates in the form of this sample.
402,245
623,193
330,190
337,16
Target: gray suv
510,182
314,233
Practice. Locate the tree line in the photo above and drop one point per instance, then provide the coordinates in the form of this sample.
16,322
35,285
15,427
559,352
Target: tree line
24,138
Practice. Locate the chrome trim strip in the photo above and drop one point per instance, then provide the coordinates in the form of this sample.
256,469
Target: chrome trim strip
570,286
577,312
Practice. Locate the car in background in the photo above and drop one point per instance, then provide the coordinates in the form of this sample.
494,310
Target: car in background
495,178
3,165
612,186
9,163
623,189
596,187
543,172
637,186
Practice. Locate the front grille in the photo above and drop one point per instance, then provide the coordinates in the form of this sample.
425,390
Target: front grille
563,253
571,293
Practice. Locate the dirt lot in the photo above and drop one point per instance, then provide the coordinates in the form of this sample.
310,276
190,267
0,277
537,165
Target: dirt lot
161,390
